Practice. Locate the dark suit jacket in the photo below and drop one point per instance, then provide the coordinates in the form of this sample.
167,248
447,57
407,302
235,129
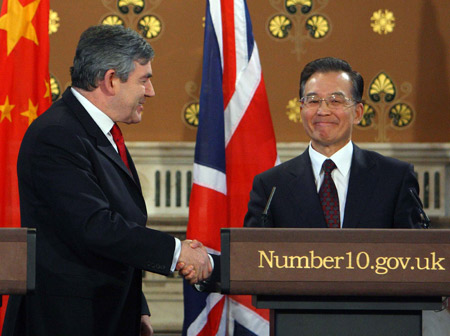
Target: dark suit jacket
378,196
90,217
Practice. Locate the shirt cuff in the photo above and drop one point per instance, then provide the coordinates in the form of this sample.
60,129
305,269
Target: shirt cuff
176,254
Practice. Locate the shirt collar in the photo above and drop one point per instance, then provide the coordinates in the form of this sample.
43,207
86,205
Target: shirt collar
342,158
101,119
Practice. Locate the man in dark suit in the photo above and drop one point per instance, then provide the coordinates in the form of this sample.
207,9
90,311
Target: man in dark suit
372,191
361,189
79,188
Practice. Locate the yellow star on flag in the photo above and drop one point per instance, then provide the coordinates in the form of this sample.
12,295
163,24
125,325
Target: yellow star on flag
31,113
17,23
47,89
6,109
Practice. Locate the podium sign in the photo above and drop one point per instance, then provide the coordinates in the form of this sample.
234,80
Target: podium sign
359,262
339,282
17,260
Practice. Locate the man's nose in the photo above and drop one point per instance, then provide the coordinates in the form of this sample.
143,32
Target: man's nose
149,89
323,107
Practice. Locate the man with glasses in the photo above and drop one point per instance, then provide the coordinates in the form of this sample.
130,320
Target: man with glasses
334,183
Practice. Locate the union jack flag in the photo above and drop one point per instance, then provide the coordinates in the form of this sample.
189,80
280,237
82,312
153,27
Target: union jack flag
235,141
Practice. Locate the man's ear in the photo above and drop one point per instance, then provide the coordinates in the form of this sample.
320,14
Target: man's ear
359,112
109,82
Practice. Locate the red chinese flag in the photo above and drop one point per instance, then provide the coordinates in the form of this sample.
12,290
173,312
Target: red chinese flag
24,92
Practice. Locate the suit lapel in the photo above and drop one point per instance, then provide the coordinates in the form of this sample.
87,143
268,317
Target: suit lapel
362,182
95,132
111,153
303,192
132,168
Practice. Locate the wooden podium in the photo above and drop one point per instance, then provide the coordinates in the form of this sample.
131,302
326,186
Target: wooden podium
339,282
17,260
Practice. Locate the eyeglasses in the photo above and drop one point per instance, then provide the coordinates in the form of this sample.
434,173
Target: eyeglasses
334,102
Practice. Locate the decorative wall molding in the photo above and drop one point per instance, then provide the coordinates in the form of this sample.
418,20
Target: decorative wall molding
165,170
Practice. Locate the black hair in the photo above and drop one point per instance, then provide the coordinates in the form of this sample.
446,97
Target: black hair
332,64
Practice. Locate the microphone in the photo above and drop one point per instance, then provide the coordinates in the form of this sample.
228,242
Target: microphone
264,216
424,219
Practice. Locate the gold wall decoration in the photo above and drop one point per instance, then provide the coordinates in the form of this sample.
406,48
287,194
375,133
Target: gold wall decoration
191,114
55,88
141,18
279,26
190,110
386,110
53,22
138,6
401,115
298,26
382,85
291,6
293,110
369,114
149,26
112,20
383,22
318,26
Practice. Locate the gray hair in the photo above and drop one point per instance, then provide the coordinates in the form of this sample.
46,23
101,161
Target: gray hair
106,47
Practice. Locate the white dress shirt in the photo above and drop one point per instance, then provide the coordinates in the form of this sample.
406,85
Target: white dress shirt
341,175
106,123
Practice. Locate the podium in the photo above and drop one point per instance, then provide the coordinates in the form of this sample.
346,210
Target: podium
339,282
17,260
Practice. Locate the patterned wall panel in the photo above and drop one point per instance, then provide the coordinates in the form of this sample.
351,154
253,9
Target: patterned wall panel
386,110
298,21
401,51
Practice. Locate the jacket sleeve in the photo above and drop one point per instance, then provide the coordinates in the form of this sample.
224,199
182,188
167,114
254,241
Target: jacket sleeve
256,205
144,306
407,213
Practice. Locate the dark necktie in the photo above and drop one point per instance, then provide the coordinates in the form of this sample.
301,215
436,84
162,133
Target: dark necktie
329,197
118,139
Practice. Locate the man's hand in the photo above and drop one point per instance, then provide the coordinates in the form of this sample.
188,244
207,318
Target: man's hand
194,263
146,326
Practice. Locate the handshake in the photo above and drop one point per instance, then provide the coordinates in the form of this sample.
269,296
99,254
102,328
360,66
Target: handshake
194,262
